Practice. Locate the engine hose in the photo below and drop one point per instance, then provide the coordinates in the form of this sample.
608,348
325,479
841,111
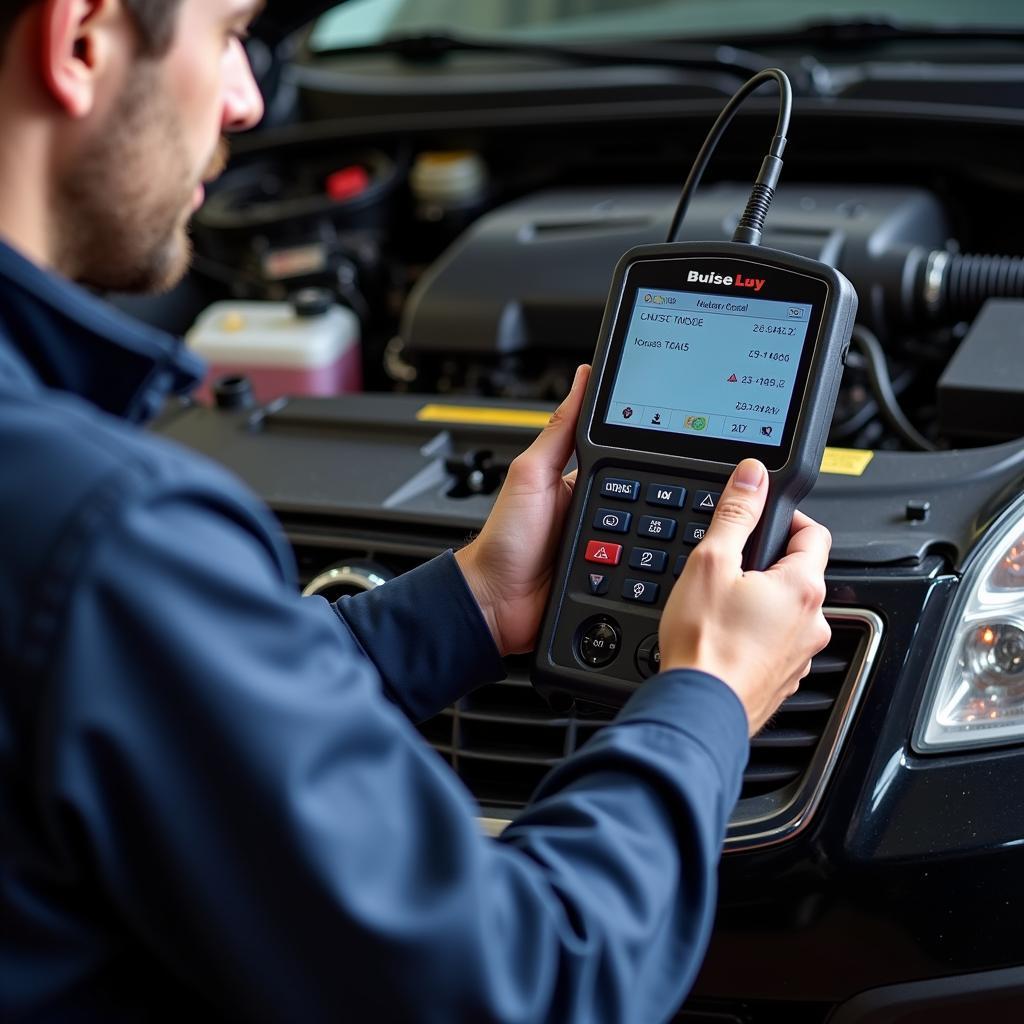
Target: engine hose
881,386
968,280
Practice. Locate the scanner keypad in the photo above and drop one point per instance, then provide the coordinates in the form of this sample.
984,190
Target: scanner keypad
668,517
639,530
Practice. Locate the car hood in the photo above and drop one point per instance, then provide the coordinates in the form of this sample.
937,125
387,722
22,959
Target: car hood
283,17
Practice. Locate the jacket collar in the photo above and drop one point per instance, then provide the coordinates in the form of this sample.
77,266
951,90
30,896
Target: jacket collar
55,334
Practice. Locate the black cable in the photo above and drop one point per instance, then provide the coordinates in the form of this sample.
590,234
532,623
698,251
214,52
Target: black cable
749,228
881,386
868,411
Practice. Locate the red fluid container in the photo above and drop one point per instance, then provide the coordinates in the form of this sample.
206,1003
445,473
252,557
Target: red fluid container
281,351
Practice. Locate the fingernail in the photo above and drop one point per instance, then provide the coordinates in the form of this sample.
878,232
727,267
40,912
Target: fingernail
749,474
576,379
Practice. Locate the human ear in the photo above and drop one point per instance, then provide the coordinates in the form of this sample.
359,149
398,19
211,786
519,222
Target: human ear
76,46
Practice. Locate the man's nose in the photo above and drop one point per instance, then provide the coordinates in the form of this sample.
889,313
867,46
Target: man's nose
243,101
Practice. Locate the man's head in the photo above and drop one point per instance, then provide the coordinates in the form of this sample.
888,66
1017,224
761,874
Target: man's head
154,21
127,102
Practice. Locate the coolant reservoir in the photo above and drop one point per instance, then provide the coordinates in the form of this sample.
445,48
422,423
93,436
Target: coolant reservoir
309,346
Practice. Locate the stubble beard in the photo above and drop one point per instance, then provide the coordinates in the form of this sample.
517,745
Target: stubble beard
123,210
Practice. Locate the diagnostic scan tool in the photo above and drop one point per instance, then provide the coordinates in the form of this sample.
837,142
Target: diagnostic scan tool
709,353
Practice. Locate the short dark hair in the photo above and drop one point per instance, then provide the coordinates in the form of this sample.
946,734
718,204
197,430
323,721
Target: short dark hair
154,19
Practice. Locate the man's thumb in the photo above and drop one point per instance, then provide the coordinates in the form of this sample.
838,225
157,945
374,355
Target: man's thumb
740,506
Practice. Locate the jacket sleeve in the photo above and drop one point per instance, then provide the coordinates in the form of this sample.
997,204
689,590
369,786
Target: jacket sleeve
426,637
280,837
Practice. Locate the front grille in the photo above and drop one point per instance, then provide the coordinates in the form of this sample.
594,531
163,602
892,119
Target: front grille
504,738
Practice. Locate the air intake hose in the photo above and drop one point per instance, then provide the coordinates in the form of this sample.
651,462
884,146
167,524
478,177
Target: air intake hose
954,286
970,280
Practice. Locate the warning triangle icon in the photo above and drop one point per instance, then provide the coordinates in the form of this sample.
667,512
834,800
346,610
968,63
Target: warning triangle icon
731,379
596,579
708,502
601,553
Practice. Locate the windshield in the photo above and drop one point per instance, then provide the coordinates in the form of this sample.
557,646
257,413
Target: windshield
362,22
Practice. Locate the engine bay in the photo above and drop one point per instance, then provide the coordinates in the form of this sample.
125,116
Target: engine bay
477,262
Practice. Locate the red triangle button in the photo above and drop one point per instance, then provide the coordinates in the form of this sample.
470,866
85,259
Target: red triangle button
601,551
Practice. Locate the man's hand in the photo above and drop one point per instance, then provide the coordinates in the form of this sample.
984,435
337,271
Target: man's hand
509,566
757,631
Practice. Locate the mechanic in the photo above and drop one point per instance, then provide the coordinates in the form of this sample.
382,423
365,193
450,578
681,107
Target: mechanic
215,805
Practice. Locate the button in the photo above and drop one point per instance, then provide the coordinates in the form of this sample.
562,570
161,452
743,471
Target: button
666,495
598,583
648,560
648,656
640,590
658,417
631,414
657,526
621,490
599,642
677,570
706,501
600,551
736,430
694,533
612,521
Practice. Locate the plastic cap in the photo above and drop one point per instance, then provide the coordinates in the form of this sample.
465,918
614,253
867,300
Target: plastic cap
234,392
459,176
347,183
310,302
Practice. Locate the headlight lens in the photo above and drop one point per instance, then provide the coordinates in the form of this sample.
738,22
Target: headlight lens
976,696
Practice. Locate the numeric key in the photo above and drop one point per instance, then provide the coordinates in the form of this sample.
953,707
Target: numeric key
648,560
640,590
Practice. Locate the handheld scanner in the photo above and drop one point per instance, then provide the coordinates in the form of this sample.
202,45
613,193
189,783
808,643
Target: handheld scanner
709,353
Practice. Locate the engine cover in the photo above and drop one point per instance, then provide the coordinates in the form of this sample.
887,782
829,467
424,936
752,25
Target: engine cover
534,275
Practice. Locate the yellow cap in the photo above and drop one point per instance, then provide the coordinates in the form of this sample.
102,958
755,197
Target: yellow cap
233,323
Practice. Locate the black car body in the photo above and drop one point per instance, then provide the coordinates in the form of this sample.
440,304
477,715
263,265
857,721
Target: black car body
871,874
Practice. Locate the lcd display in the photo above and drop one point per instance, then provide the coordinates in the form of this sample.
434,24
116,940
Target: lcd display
709,365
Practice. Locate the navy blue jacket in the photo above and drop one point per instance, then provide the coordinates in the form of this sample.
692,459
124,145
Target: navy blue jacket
214,804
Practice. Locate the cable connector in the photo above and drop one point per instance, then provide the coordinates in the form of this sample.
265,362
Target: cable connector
761,195
752,221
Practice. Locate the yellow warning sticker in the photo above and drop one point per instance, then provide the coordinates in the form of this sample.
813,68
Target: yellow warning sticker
841,461
483,416
846,461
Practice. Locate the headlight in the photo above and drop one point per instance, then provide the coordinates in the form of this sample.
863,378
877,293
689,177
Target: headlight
976,694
